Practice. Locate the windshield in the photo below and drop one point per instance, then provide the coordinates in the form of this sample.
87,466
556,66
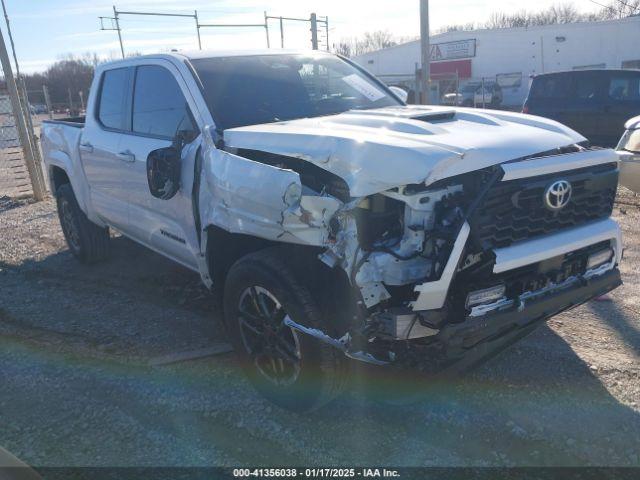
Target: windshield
250,90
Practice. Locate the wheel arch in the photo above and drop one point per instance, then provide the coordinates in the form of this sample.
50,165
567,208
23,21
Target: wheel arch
57,177
330,286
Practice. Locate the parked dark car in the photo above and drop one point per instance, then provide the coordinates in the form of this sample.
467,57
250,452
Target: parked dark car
596,103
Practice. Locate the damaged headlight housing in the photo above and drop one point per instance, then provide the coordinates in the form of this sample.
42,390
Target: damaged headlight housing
293,195
599,258
488,295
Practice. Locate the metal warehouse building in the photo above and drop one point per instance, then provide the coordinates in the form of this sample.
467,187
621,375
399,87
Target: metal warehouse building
510,56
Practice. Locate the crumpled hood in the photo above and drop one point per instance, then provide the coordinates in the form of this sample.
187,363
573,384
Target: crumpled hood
375,150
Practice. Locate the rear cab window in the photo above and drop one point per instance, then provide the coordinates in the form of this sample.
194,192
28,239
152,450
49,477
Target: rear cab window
113,101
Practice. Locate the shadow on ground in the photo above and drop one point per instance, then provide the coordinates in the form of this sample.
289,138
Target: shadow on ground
77,388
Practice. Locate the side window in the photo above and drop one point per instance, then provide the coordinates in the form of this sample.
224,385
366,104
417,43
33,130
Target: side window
112,109
159,107
586,87
550,87
624,88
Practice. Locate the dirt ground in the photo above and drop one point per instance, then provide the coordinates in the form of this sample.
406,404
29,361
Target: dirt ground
85,380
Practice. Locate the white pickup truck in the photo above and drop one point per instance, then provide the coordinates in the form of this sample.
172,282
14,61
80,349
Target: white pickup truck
337,222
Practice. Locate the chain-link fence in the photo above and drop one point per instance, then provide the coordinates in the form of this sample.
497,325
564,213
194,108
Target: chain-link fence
14,176
21,171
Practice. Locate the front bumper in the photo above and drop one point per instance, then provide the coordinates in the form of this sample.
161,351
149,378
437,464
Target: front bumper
474,341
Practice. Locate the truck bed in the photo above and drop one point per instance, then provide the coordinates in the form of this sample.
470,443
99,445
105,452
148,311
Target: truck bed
77,122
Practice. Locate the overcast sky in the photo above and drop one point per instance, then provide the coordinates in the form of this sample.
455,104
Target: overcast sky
45,30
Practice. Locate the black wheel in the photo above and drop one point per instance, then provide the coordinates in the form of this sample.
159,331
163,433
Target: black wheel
293,370
88,242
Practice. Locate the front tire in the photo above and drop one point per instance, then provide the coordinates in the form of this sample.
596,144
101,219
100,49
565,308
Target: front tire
293,370
88,242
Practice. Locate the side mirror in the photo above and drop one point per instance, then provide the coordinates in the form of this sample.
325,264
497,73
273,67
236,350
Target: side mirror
401,93
163,171
164,166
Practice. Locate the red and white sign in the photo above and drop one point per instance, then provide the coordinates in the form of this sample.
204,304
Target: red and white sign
453,50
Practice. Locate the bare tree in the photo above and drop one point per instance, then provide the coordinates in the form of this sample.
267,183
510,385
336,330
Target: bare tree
620,9
369,42
557,14
69,74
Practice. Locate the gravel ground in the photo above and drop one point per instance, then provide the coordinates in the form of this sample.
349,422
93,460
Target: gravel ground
77,345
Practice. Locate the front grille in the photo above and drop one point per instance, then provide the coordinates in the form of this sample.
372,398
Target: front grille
515,211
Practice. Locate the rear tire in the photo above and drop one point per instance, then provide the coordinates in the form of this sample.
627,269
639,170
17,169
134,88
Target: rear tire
88,242
293,370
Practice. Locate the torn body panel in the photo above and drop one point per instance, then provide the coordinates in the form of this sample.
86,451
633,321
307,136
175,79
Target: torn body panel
252,198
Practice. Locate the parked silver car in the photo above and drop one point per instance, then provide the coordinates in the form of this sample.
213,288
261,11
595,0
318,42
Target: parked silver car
629,152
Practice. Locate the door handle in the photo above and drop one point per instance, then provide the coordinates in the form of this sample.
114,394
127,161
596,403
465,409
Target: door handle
127,156
86,147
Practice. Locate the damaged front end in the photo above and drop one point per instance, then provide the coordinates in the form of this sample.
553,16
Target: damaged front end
431,286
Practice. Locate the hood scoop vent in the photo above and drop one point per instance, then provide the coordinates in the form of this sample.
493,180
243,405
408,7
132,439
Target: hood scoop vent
436,117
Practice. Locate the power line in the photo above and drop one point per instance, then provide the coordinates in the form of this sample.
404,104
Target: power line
633,9
609,7
620,12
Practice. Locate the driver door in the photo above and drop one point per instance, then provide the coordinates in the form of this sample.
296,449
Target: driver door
159,111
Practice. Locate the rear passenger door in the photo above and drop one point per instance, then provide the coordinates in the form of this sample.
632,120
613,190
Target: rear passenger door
99,148
161,107
622,103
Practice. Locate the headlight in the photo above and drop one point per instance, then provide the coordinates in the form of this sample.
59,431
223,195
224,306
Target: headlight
293,195
599,258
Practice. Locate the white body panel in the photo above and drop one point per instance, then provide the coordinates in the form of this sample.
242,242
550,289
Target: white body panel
373,151
376,150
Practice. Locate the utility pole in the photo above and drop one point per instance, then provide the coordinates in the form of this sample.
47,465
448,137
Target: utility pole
195,14
326,29
47,101
115,16
281,33
314,31
426,50
81,94
266,28
70,101
34,168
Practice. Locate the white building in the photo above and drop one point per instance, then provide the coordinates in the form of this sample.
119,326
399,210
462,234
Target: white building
511,56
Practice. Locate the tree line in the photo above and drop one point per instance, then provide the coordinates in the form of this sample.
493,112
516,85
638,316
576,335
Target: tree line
69,76
554,15
68,79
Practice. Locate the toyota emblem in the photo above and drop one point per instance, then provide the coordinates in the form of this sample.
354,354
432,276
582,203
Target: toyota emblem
558,195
